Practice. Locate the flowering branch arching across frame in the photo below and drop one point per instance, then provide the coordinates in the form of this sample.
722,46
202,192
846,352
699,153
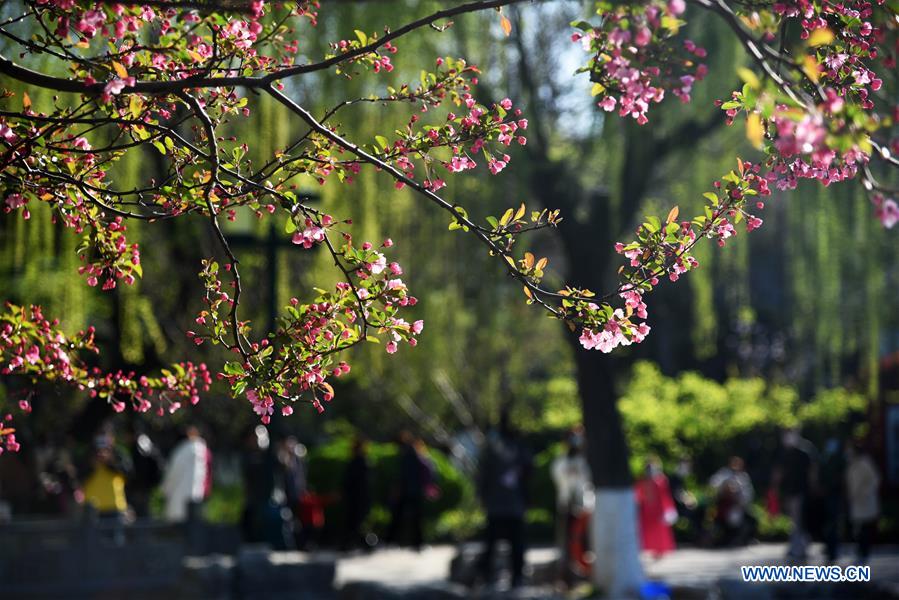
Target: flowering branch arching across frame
168,75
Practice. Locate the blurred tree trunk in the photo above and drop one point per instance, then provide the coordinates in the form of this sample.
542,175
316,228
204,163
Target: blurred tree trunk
593,221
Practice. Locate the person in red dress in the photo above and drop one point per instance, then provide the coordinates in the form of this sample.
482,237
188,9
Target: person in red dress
656,510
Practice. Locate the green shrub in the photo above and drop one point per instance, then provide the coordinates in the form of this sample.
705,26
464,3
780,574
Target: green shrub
225,504
689,415
771,528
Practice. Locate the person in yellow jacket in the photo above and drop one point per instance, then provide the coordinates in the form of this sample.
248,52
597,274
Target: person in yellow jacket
104,487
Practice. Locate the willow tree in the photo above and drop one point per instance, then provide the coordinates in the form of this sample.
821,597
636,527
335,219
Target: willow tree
175,76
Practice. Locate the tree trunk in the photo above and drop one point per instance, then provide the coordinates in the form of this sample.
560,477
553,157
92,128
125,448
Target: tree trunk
616,569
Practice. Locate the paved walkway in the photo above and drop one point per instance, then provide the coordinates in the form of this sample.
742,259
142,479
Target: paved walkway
693,566
692,573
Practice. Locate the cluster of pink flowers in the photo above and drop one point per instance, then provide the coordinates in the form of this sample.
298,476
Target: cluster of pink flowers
465,135
8,442
30,344
295,361
118,259
665,249
399,324
854,42
34,347
617,331
16,201
803,152
241,33
630,68
183,382
313,232
376,60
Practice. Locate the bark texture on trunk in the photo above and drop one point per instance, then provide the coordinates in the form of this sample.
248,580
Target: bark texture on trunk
616,569
607,450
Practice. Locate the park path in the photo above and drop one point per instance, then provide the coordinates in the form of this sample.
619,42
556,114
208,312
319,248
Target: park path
691,572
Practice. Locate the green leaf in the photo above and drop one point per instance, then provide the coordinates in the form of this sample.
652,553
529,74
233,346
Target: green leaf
749,77
672,24
233,368
382,141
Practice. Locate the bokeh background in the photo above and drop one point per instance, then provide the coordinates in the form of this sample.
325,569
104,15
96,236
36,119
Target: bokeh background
794,325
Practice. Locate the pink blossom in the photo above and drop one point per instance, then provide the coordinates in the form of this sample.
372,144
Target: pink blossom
677,7
7,134
496,165
887,210
311,235
116,86
643,37
379,265
33,356
14,201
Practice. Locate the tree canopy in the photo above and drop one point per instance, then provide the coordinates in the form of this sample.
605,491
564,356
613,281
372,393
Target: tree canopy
92,84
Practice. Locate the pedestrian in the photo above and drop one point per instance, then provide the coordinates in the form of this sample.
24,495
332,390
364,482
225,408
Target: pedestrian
185,479
574,505
656,510
863,487
356,495
104,486
147,471
408,493
831,495
291,458
733,496
504,473
259,467
797,467
685,501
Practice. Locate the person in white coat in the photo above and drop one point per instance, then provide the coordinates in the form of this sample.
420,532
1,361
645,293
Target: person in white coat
185,475
574,505
862,487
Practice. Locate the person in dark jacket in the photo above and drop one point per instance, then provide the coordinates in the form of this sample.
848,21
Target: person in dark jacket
504,471
259,467
831,493
356,496
407,502
292,462
147,471
798,463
